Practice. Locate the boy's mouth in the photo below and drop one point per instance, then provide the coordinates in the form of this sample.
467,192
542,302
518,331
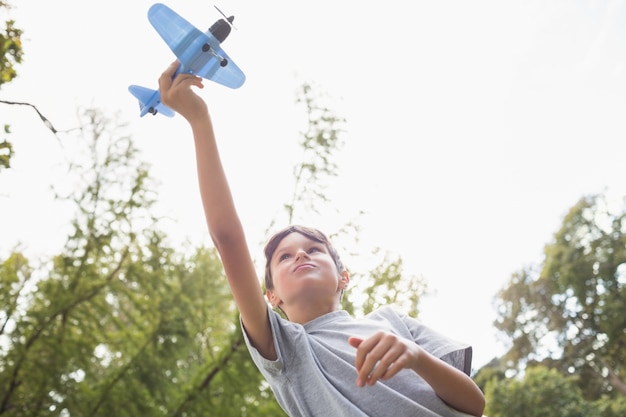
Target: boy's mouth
301,266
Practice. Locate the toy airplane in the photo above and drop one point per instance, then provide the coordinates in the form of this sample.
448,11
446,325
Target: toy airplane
199,53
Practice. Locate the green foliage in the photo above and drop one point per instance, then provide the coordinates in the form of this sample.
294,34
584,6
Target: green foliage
10,49
6,151
119,323
570,314
10,55
386,283
319,143
541,393
609,407
544,392
492,372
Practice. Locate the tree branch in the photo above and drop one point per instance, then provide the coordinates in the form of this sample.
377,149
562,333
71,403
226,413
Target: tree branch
617,383
218,367
45,120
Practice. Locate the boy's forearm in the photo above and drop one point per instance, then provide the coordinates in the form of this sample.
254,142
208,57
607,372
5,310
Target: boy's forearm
219,208
451,385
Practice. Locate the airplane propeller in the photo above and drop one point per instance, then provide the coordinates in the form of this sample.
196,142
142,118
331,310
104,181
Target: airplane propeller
228,19
221,28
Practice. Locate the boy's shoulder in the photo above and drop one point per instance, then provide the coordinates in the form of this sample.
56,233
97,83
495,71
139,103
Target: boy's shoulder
389,312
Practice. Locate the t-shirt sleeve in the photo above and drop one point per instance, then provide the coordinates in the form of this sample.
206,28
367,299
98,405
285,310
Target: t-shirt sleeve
460,359
455,353
266,366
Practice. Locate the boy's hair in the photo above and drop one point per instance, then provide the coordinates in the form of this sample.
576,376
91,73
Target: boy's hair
310,233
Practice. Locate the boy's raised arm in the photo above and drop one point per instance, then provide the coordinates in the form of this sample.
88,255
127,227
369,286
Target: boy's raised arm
221,215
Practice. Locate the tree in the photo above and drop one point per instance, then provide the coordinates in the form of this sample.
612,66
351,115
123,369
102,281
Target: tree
10,49
570,314
384,284
119,323
541,393
544,392
493,372
10,55
319,143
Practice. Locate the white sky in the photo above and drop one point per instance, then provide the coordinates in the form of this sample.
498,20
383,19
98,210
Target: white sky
472,126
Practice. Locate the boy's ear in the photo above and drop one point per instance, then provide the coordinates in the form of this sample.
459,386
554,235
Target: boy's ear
272,298
344,280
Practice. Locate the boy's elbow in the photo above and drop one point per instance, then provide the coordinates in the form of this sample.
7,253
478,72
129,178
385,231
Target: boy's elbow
479,405
225,235
221,240
473,403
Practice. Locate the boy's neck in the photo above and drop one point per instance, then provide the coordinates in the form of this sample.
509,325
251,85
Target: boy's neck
305,314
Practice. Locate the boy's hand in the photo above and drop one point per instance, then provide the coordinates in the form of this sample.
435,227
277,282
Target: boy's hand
176,93
383,355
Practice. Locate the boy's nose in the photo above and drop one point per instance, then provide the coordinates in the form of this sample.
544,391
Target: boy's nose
302,254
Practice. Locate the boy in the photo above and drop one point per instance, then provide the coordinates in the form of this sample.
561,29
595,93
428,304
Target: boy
319,362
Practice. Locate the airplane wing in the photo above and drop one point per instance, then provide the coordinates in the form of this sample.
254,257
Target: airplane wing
187,42
150,101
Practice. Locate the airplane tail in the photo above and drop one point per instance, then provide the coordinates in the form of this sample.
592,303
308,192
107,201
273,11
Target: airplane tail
150,101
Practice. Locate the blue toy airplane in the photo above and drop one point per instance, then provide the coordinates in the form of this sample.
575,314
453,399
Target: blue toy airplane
199,53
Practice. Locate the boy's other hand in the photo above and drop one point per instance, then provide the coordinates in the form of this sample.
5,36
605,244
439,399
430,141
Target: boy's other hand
382,355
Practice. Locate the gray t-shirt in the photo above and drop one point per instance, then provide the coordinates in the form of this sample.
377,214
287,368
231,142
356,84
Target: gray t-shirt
314,375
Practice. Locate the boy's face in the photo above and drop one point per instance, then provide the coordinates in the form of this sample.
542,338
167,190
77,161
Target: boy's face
304,272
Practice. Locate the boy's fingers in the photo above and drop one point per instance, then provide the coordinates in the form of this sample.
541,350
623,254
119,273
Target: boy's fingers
384,364
354,341
171,69
187,80
363,349
166,78
377,357
368,354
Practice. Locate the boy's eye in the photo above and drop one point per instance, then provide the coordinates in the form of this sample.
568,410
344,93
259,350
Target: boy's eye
314,249
283,257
